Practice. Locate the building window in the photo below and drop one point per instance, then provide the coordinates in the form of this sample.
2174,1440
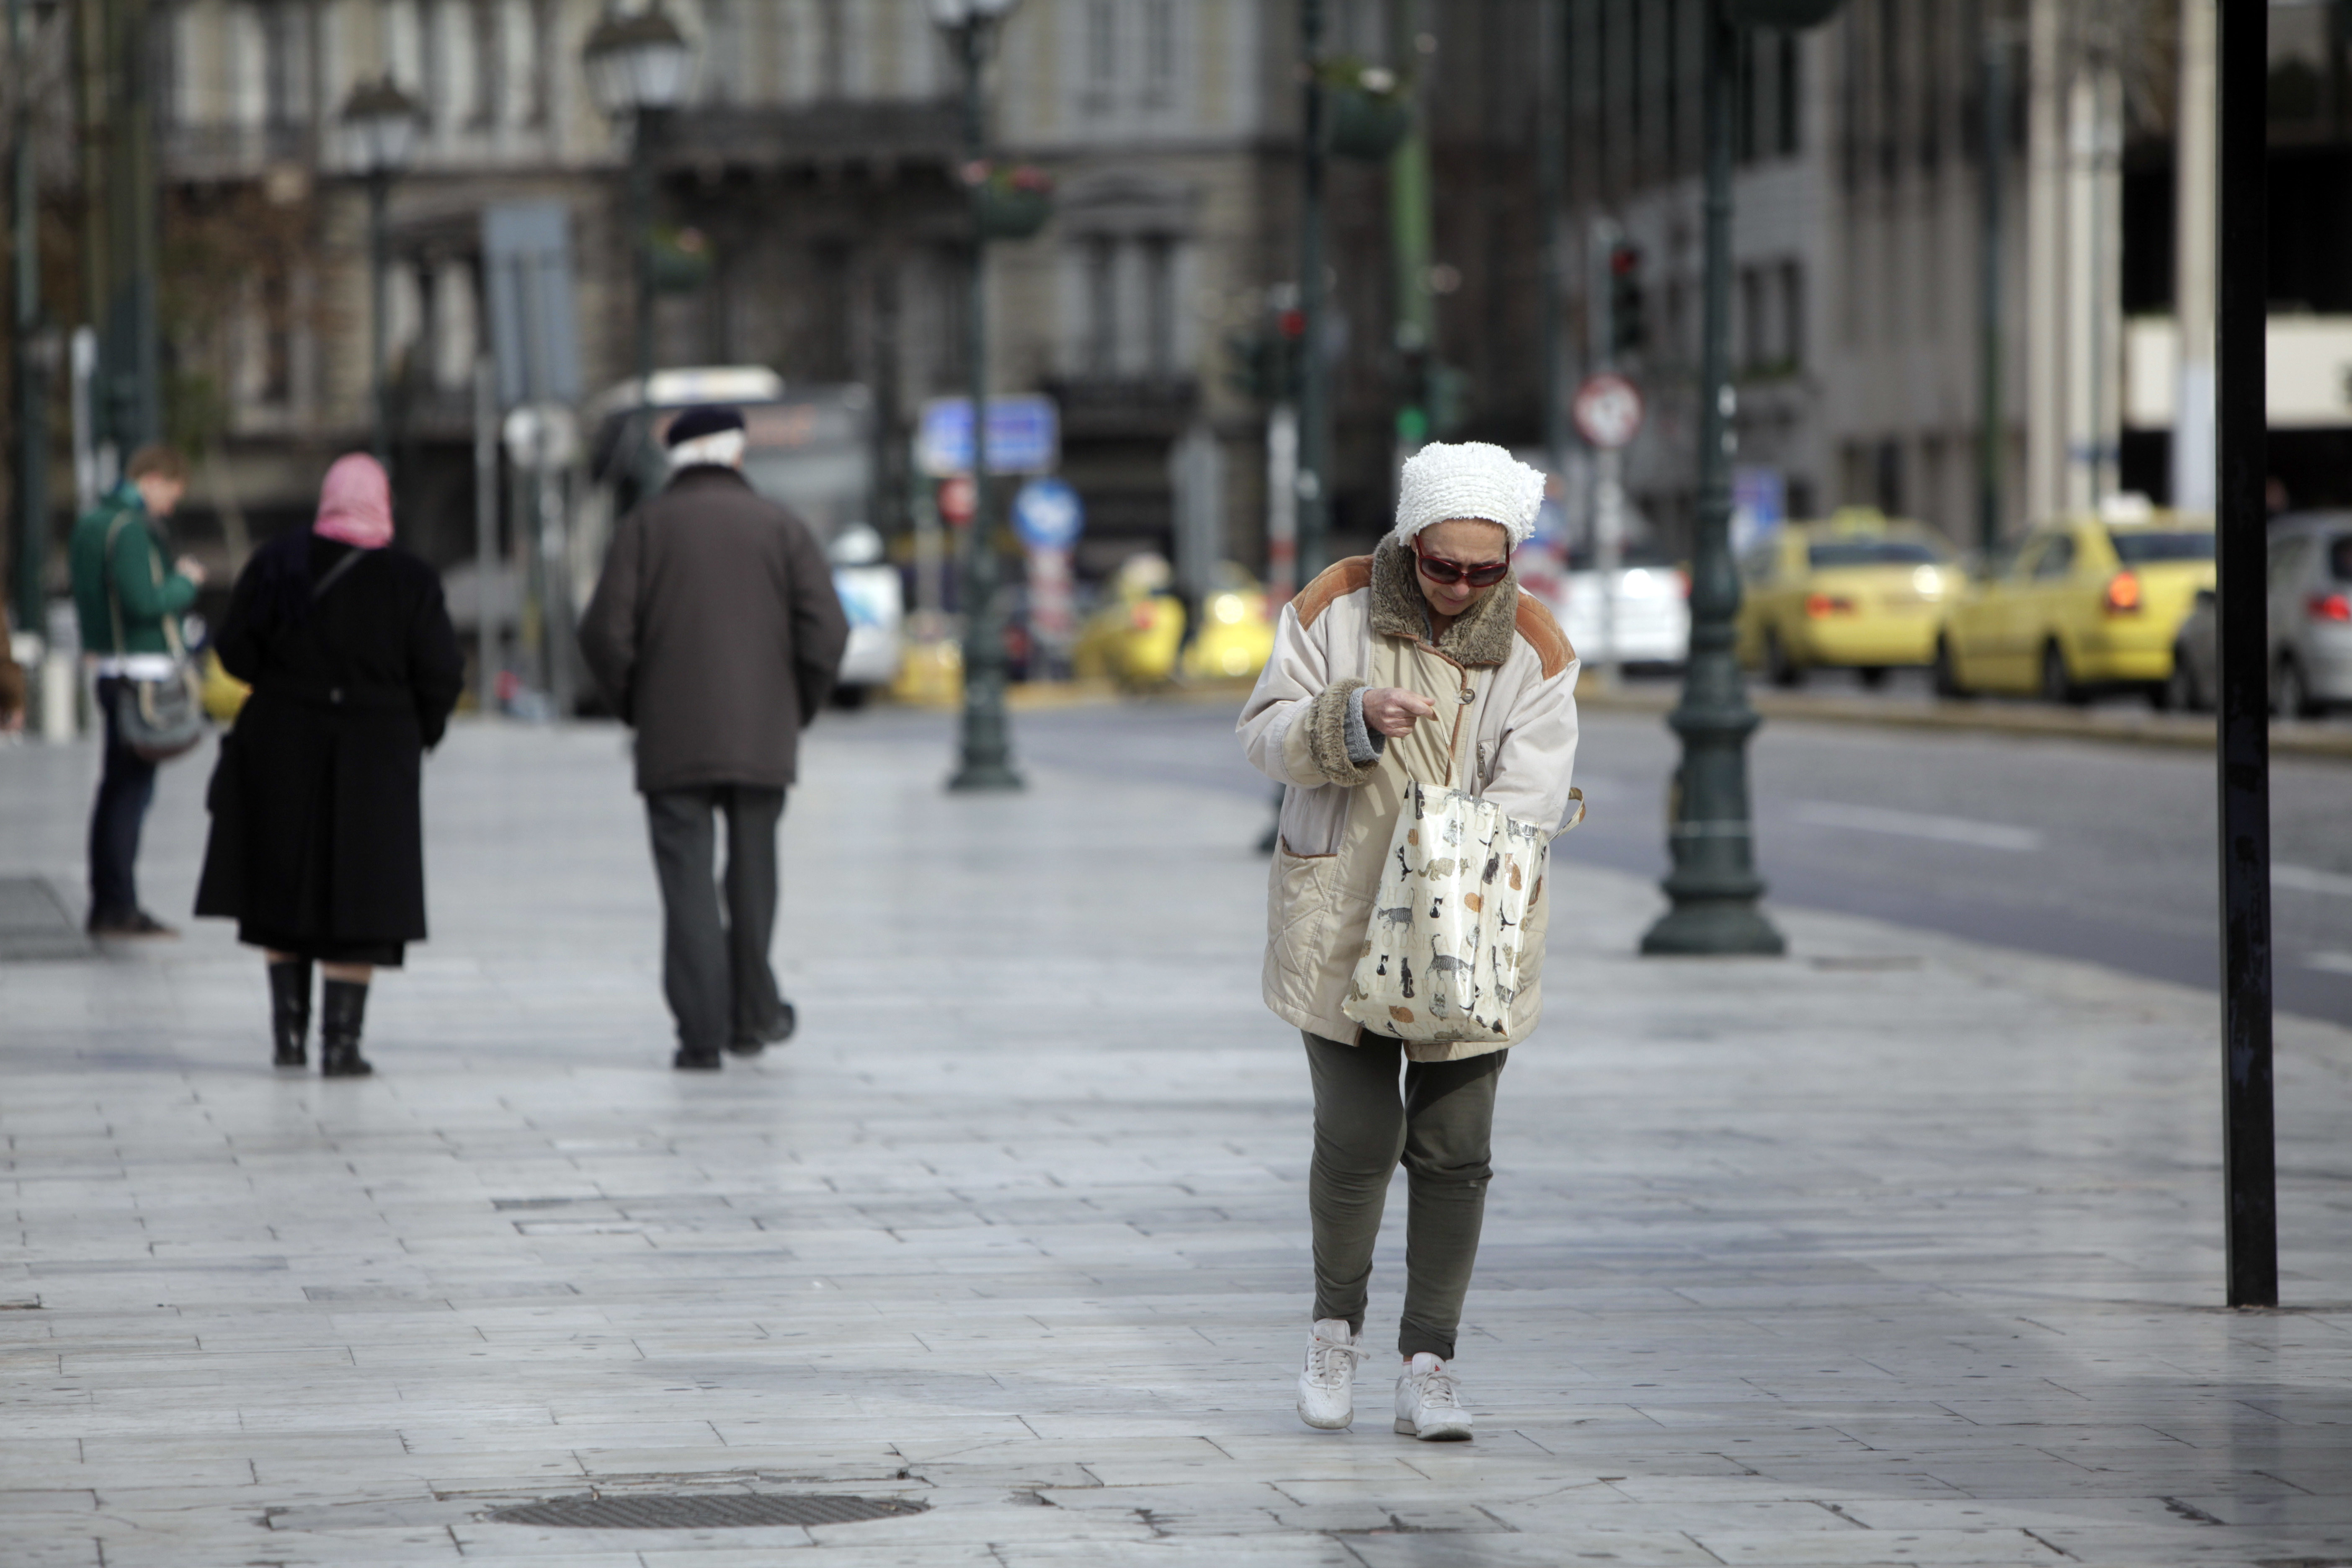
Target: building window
433,53
724,51
1101,262
1102,54
1755,341
1158,52
1159,305
832,49
1792,314
489,61
1786,132
543,62
283,100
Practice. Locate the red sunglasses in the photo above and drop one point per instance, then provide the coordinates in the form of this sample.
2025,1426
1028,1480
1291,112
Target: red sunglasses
1449,571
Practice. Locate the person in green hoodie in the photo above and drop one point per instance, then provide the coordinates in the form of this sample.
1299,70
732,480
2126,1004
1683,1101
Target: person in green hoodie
121,577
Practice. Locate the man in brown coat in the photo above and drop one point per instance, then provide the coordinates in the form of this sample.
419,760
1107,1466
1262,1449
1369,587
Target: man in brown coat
715,632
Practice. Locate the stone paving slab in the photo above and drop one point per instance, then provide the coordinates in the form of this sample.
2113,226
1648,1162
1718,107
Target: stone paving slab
1898,1251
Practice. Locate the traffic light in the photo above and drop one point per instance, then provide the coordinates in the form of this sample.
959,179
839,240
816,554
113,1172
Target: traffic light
1266,363
1629,326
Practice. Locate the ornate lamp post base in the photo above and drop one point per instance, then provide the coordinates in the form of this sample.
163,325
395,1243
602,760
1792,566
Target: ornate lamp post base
1697,927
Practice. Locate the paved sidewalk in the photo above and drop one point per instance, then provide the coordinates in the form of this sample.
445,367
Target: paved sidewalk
1899,1251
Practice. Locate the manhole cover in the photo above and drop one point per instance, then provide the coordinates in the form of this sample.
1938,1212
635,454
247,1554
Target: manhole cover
705,1511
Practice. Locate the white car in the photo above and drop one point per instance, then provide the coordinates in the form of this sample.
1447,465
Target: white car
874,601
2310,593
1651,603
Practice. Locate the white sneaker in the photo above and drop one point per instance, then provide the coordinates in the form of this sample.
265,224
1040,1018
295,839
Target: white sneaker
1429,1403
1327,1385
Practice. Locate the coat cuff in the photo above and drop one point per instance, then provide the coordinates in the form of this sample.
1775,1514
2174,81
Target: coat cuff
1364,743
1326,734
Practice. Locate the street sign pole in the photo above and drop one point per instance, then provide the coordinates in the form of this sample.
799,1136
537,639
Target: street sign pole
2241,642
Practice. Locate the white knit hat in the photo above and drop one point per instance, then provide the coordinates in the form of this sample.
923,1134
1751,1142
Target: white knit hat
1467,479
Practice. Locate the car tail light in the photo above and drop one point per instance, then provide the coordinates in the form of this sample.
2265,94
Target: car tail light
1684,573
2329,607
1817,606
2123,593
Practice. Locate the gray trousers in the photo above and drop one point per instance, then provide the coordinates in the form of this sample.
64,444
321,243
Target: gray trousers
715,969
1441,1130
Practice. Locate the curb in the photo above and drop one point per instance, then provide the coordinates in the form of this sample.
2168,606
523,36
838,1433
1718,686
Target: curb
1991,717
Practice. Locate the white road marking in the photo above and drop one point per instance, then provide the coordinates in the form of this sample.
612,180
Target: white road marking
1920,825
2309,880
2334,962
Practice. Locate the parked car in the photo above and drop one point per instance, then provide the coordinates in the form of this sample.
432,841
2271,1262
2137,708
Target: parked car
2086,605
1860,590
1649,603
1133,637
2310,593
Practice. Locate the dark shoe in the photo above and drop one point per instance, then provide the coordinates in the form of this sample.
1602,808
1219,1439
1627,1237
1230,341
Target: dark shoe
138,922
776,1033
342,1009
290,1011
697,1061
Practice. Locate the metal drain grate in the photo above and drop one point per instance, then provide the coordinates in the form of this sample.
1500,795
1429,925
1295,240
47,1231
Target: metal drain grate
703,1510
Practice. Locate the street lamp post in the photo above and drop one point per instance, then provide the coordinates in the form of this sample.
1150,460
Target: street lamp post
986,760
1714,884
1314,507
384,121
636,65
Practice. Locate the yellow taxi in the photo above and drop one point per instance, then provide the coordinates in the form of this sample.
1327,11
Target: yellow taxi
2086,604
1236,633
1860,590
1133,637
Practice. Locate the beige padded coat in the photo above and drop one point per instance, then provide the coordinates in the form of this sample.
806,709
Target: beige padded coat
1502,678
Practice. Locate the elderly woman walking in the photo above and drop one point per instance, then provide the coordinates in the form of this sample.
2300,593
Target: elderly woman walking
316,847
1421,663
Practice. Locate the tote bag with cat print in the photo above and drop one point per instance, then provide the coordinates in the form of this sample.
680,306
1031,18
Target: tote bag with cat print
1441,960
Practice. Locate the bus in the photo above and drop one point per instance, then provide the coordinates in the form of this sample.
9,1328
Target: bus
810,448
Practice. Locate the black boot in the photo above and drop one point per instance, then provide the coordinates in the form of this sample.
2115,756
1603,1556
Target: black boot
289,1010
342,1008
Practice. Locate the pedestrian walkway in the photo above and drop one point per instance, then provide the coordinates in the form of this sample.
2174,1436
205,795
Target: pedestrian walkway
1897,1251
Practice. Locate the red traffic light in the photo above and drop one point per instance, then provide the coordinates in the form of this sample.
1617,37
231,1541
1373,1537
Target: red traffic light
1292,323
1624,259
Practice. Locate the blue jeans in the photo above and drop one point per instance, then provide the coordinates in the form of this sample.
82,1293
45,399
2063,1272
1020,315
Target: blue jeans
125,787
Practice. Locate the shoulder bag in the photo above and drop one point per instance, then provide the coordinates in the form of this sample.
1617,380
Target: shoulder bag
162,718
1441,959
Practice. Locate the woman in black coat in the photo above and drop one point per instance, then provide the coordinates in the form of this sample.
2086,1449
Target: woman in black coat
317,845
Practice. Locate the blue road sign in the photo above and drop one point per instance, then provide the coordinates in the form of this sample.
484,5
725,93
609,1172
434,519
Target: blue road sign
1048,514
1025,436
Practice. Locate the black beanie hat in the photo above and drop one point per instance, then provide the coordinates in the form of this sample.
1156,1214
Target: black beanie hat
704,419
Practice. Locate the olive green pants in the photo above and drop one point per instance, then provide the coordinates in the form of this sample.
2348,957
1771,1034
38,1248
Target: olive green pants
1440,1131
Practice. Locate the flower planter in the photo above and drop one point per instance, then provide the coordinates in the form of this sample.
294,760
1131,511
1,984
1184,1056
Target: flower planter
1366,125
1004,212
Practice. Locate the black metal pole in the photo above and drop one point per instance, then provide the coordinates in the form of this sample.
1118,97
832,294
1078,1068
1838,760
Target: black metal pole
31,392
986,743
2241,641
1314,380
641,222
378,192
1991,436
1551,179
1714,883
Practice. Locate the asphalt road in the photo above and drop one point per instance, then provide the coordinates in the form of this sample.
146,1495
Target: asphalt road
2081,850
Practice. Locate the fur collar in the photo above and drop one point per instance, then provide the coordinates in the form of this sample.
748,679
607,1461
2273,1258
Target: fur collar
1481,635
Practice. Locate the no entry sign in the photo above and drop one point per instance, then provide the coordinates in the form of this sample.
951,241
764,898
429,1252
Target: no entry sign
1608,410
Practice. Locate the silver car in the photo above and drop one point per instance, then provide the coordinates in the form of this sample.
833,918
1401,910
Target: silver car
2310,580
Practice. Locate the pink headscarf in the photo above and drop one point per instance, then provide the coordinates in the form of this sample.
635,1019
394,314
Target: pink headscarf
355,503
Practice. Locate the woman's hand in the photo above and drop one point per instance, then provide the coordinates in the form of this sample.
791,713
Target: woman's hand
1392,710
